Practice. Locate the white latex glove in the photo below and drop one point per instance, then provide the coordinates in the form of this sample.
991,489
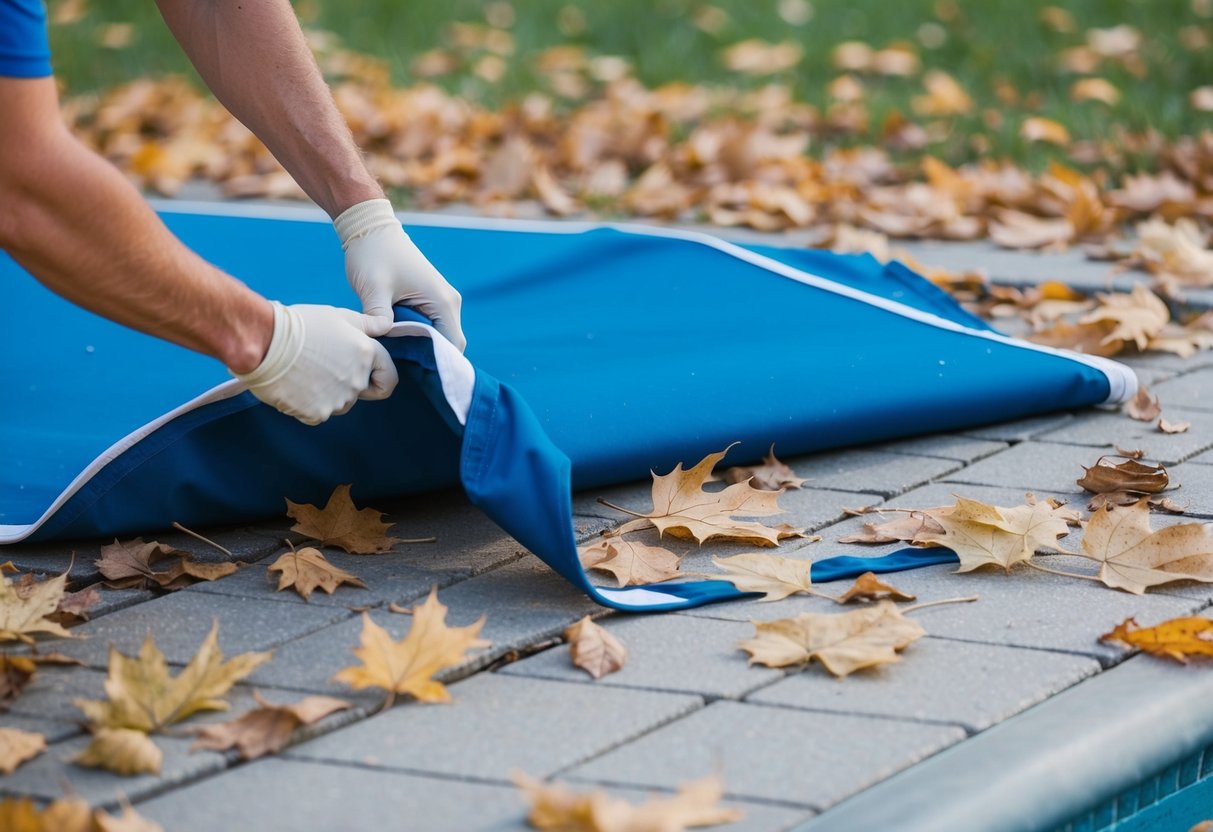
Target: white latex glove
320,361
385,268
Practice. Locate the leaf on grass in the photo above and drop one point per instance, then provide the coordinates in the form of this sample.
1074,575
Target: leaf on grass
1179,638
307,570
1038,129
844,642
143,696
340,523
1144,406
1133,557
268,728
774,576
594,648
124,751
18,746
868,587
557,808
771,475
632,563
1173,427
982,534
408,666
1106,476
25,609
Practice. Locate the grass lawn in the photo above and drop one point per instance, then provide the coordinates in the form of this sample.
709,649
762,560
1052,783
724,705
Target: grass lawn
1007,56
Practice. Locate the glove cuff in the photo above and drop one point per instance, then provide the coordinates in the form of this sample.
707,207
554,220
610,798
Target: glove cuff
364,218
285,346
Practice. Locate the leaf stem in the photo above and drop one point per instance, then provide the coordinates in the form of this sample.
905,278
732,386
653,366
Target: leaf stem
609,504
1035,565
206,540
419,540
965,600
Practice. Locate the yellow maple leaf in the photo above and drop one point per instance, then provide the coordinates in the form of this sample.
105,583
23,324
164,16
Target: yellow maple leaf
774,576
17,746
124,751
24,609
632,563
982,534
1134,557
341,523
1137,316
408,666
307,570
1179,638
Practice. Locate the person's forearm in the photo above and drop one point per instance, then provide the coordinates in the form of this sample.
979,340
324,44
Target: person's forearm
254,58
77,225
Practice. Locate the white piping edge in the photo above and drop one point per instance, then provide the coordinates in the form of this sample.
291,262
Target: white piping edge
1122,381
455,371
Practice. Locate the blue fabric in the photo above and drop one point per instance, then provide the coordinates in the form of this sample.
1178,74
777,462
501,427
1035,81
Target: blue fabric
599,356
25,51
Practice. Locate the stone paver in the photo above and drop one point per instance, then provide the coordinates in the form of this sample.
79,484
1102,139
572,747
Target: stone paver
940,680
51,694
1203,459
1192,390
779,754
53,730
665,652
1021,429
873,471
1107,431
1047,468
1195,490
958,447
499,724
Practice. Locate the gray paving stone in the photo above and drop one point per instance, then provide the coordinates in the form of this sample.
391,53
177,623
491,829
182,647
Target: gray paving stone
1020,267
181,621
1042,467
637,496
975,685
1192,390
51,693
54,730
956,447
874,472
665,652
1203,459
781,754
1021,429
1106,431
524,603
1195,491
1167,361
50,776
496,726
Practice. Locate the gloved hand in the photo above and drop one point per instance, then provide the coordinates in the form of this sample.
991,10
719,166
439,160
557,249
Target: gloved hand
385,268
319,362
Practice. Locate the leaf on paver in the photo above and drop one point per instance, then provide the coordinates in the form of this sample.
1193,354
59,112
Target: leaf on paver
558,808
128,821
1133,557
130,563
17,746
124,751
595,649
9,567
408,666
21,814
908,527
631,562
1137,316
26,607
1106,476
1092,338
982,534
1128,498
268,728
17,671
682,508
74,607
307,570
1144,406
340,523
1179,638
771,475
868,587
143,696
1173,427
1131,453
774,576
844,642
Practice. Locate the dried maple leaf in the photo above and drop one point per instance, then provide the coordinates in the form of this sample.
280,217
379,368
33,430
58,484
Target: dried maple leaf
1173,427
595,649
557,808
74,607
1128,498
1095,89
1015,229
1090,338
1179,638
843,642
1106,476
128,821
868,587
909,527
631,563
1144,406
18,746
774,576
21,814
341,524
1138,316
124,751
408,666
26,609
17,671
771,475
1038,129
307,570
268,728
982,534
129,564
141,694
1133,557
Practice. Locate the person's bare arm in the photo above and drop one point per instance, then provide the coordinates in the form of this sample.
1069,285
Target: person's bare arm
82,229
253,56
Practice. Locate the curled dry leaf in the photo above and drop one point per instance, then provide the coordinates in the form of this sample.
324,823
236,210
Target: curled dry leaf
307,570
17,671
74,607
340,523
128,821
771,475
982,534
1111,499
774,576
268,728
1106,476
1143,407
124,751
868,587
909,527
1131,453
130,564
1137,316
21,814
26,608
1178,639
1038,129
16,747
1134,557
594,648
1173,427
843,642
632,563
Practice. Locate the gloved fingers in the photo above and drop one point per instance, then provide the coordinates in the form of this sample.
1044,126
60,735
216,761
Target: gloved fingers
384,377
445,315
378,315
344,410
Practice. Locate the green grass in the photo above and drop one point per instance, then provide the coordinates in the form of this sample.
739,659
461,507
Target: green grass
985,42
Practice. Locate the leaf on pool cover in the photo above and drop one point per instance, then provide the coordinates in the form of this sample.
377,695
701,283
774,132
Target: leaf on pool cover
982,534
267,728
307,570
1178,639
340,523
594,648
632,563
868,587
1134,557
774,576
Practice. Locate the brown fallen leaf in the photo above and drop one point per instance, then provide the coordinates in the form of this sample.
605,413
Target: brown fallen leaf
1137,316
74,607
908,527
26,609
16,747
21,814
774,576
17,671
1178,638
594,648
399,609
307,570
1090,338
1173,427
1128,498
771,475
868,587
632,563
1144,406
1015,229
1130,475
555,807
9,567
1134,557
1038,129
128,821
340,523
408,666
124,751
130,564
982,534
268,728
1131,453
843,642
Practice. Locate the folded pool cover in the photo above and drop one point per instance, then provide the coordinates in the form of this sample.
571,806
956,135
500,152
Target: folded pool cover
596,353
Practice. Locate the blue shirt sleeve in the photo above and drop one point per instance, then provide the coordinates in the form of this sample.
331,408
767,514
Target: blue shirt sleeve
25,51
